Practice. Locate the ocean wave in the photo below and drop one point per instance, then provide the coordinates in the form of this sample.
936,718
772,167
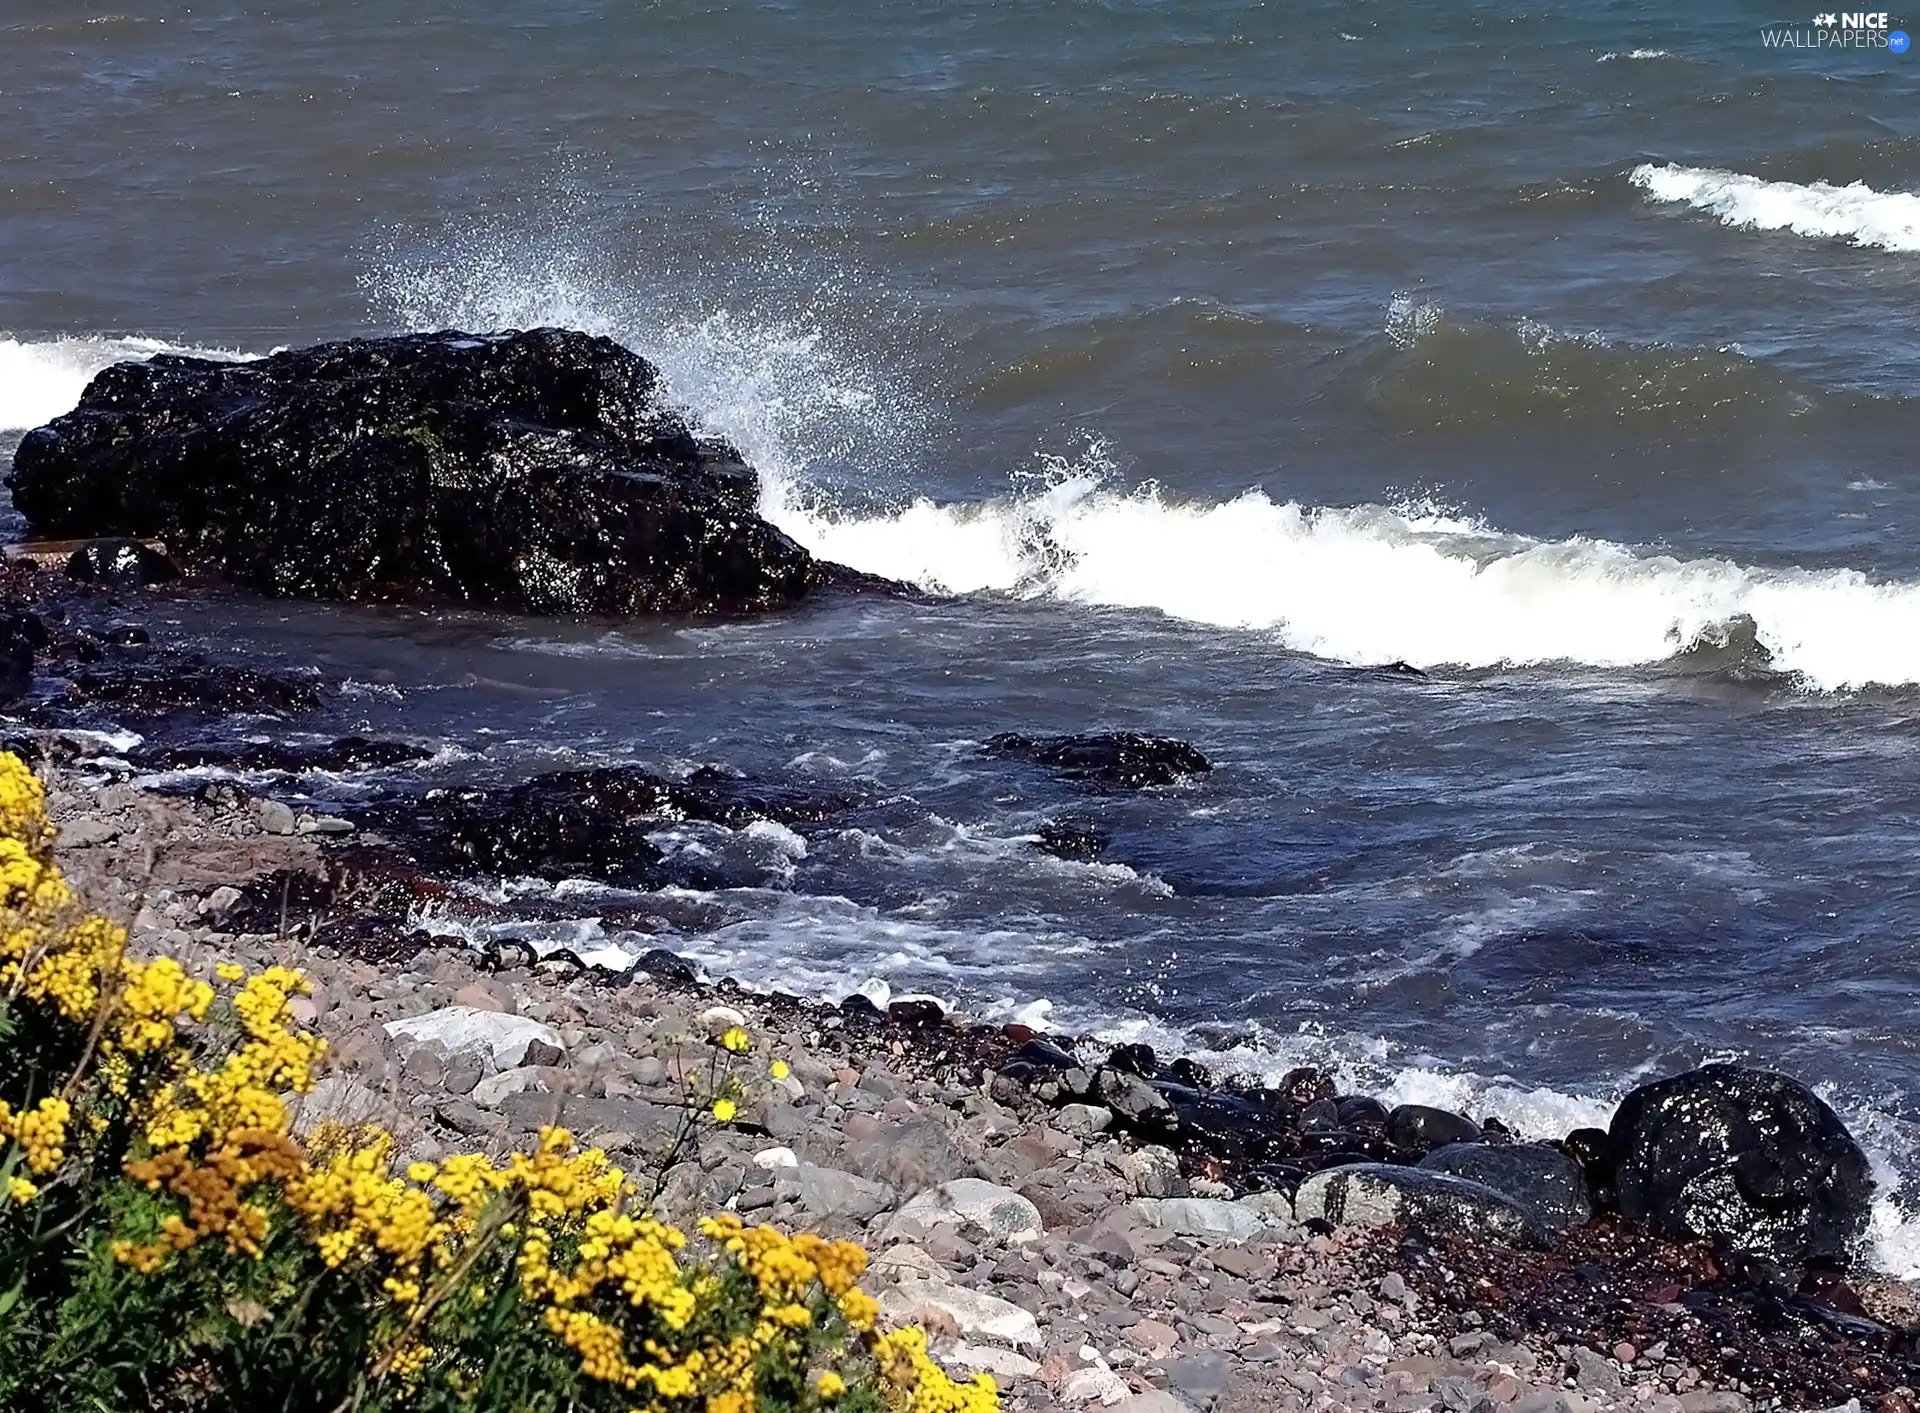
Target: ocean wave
1612,55
41,380
1371,584
1855,213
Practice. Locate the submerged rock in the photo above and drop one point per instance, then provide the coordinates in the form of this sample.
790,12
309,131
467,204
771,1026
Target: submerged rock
587,823
535,472
21,636
1107,757
347,753
1541,1178
1751,1161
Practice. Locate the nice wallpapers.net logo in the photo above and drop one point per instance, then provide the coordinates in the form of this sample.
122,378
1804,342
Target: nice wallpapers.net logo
1843,29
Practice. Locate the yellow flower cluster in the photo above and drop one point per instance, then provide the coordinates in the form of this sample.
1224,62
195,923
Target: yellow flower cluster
40,1131
212,1144
906,1367
244,1091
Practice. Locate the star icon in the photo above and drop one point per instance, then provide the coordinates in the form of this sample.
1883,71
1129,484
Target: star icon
1827,21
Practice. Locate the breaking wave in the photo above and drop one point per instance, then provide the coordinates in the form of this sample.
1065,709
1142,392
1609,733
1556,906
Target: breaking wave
1855,213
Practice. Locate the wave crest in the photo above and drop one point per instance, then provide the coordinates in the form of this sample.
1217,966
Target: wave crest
1856,213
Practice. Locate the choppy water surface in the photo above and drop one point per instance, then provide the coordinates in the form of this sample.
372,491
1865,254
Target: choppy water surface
1210,355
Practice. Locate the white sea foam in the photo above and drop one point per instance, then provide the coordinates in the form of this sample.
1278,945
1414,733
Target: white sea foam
1612,56
1374,584
39,381
1856,213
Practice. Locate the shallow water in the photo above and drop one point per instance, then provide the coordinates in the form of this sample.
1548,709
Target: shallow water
1209,354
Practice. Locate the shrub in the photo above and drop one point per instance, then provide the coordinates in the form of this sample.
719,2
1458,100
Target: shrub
166,1242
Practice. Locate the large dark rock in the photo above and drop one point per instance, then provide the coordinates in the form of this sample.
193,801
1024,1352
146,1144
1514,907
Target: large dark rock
1752,1161
1542,1179
1105,757
537,472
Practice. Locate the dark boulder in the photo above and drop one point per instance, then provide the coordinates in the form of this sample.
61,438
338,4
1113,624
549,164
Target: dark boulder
120,564
1134,1059
535,472
859,1011
1120,758
1306,1085
1541,1178
1419,1127
1361,1114
1321,1116
1751,1161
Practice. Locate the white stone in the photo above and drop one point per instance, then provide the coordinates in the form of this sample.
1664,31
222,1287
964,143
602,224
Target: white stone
1276,1207
1083,1120
1207,1218
773,1159
1094,1384
1001,1363
975,1314
999,1212
904,1261
1152,1401
489,1092
1364,1204
504,1038
716,1021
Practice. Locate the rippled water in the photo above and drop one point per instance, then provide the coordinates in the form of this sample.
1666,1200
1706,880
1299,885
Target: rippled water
1209,355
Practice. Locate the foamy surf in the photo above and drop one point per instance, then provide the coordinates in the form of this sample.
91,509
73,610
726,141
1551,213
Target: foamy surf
1374,584
41,380
1856,213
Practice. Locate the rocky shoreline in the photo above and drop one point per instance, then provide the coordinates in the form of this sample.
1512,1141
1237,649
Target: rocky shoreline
1099,1227
1085,1267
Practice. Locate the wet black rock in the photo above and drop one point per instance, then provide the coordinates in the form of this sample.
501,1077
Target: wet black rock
120,564
1418,1127
349,753
1321,1116
1305,1086
667,966
588,823
1134,1059
1073,840
1538,1176
21,636
917,1014
1379,1194
1120,758
1751,1161
159,688
535,472
860,1012
1361,1114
